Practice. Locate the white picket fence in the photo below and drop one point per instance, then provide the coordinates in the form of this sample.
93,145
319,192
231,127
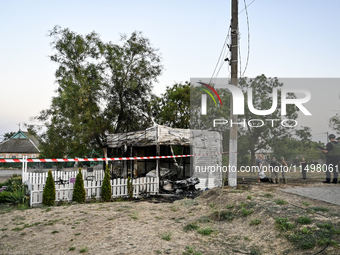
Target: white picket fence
64,192
37,178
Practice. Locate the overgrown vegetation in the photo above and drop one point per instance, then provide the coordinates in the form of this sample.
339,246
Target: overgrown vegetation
49,191
16,192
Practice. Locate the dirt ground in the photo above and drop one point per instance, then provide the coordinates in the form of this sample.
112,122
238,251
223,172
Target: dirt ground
161,226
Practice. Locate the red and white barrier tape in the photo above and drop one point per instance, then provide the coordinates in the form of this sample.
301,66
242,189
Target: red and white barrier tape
103,159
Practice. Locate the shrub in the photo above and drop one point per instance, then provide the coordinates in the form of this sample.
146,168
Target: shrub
18,196
106,186
129,187
13,183
3,196
49,190
79,190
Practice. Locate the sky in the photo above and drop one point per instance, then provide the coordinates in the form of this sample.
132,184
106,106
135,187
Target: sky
288,39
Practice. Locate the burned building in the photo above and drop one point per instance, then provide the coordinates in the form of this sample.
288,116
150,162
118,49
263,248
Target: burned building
165,141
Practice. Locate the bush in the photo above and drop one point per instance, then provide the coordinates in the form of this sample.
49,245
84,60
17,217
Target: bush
17,196
106,186
13,183
49,190
130,187
3,196
79,193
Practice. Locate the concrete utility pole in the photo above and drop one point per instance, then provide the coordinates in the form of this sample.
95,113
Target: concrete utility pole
232,178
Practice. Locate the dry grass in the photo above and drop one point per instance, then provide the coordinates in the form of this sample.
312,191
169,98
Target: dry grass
217,222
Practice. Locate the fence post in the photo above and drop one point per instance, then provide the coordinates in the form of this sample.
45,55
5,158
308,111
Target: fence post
24,168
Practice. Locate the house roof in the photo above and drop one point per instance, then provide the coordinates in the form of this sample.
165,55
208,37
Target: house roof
157,134
21,142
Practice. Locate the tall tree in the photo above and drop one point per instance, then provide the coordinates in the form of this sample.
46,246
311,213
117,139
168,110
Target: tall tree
334,122
260,132
101,87
75,121
172,108
131,70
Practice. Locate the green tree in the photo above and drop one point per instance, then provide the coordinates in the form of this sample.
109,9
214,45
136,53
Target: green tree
8,135
271,133
49,191
101,87
172,108
106,186
334,122
131,68
79,193
294,148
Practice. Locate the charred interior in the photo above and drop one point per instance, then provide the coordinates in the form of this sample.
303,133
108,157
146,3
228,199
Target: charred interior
175,174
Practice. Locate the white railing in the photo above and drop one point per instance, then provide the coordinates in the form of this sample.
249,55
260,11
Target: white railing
38,178
143,185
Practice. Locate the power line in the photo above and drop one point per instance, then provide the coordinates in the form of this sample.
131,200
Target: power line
245,68
225,43
246,7
223,49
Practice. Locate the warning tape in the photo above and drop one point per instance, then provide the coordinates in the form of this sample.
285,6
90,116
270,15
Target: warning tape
104,159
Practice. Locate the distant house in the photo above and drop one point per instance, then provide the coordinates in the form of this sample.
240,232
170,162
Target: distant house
19,145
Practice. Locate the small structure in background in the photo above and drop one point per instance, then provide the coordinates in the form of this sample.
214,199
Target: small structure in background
165,141
20,144
265,153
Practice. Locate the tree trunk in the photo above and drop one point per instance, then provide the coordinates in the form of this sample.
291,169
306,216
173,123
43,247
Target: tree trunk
252,154
105,156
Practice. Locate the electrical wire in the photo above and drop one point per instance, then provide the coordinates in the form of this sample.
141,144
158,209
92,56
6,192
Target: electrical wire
246,7
213,77
239,52
223,49
245,68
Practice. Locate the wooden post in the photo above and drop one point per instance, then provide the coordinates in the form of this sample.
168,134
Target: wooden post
158,174
232,175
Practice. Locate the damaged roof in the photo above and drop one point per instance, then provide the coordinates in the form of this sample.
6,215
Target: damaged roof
157,134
